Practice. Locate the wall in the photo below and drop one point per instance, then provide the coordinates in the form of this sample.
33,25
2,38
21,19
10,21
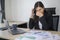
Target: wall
20,10
8,10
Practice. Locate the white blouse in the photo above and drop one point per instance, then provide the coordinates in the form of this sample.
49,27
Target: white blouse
40,25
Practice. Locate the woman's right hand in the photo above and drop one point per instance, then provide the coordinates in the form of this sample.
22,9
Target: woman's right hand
32,13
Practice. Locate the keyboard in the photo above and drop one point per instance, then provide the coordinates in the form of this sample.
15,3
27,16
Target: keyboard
18,31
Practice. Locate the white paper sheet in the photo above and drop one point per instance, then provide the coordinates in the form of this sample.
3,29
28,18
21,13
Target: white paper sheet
41,35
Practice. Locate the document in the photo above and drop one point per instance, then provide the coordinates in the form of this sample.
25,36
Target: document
39,35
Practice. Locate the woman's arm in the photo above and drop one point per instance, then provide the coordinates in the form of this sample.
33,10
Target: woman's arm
31,23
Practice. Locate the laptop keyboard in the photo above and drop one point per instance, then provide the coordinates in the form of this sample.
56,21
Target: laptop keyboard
19,31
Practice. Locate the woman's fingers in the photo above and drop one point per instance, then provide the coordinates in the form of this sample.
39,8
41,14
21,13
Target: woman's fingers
32,13
39,14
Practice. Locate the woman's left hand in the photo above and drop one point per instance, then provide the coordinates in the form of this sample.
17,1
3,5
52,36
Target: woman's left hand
39,14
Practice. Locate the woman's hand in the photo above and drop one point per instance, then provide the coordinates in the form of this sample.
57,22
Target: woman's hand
39,14
32,13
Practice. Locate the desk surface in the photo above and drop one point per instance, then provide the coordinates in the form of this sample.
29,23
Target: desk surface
6,34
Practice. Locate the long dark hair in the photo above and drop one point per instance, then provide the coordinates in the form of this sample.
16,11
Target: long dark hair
37,4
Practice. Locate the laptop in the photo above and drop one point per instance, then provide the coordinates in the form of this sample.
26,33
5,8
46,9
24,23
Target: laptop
12,30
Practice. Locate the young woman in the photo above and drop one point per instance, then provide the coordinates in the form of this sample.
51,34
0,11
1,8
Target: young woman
40,19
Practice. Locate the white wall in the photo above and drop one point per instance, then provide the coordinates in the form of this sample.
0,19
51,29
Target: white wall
20,10
8,10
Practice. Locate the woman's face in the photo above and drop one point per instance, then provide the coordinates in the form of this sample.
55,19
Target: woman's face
39,10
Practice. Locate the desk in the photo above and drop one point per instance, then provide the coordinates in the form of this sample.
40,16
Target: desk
6,34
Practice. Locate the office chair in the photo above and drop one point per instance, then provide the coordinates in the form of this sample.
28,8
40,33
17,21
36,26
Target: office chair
55,18
55,22
51,10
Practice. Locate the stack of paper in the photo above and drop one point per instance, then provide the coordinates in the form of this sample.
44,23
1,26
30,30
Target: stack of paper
39,35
